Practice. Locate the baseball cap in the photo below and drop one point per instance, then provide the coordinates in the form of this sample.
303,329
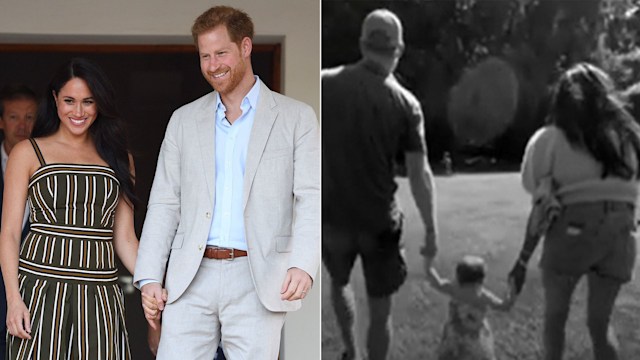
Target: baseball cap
382,31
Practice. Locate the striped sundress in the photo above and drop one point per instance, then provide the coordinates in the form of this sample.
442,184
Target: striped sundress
67,269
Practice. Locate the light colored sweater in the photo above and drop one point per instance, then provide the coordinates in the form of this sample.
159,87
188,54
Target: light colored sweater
576,175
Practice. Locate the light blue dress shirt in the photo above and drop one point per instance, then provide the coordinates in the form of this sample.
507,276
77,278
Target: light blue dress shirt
232,142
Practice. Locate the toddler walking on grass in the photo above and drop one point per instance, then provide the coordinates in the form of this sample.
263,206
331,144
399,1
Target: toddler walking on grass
467,334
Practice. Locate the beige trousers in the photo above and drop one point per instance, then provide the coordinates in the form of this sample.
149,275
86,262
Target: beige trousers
220,303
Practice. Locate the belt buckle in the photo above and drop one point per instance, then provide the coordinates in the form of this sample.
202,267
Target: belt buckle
233,254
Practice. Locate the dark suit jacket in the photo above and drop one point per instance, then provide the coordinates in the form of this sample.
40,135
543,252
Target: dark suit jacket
3,295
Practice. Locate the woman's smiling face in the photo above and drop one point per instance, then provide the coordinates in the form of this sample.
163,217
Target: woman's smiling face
77,108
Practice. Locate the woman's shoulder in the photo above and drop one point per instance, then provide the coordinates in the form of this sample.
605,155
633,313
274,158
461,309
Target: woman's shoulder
546,133
545,137
22,149
23,155
40,142
40,145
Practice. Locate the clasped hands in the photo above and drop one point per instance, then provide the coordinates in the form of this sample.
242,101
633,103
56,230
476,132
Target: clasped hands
518,274
516,277
153,299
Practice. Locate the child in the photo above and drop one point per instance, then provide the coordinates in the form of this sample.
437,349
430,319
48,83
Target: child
467,334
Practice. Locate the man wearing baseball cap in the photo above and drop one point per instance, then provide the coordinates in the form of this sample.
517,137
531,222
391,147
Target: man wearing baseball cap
368,119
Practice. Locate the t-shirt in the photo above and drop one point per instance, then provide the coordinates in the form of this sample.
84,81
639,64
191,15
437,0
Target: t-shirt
368,118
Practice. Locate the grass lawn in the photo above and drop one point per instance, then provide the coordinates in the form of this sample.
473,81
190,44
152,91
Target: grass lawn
481,214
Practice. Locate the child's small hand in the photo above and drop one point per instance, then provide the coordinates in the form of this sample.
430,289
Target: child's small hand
428,266
432,274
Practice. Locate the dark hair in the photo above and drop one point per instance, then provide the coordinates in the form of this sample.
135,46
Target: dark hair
15,92
107,131
592,115
470,270
237,22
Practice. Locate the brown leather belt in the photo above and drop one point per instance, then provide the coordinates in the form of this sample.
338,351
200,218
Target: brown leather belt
213,252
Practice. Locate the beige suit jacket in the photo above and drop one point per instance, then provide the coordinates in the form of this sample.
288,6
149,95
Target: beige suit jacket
281,197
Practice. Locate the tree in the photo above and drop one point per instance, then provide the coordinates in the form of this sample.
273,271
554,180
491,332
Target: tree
537,38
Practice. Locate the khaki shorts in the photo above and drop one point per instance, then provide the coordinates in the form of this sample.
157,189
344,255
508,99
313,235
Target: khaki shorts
383,262
592,237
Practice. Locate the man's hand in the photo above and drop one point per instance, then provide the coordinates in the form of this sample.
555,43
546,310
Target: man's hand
517,275
153,300
430,248
296,285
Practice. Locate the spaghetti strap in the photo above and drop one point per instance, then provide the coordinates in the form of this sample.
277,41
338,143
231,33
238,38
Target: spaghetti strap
36,148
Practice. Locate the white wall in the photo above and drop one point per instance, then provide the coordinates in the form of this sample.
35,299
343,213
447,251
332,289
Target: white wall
170,20
297,22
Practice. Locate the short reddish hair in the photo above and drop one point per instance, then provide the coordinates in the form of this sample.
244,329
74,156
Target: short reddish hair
238,23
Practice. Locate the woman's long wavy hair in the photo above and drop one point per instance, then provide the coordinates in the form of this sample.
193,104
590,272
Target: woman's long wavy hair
587,108
107,131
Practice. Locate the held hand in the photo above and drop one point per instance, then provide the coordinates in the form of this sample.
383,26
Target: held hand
18,319
512,293
430,248
517,276
153,300
428,263
296,285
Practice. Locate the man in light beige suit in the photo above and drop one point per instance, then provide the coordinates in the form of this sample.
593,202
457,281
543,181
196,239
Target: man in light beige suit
233,219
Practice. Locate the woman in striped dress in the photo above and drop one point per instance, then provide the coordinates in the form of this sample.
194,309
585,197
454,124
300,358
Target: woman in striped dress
63,299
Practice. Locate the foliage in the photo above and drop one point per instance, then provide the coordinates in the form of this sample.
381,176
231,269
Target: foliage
538,38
